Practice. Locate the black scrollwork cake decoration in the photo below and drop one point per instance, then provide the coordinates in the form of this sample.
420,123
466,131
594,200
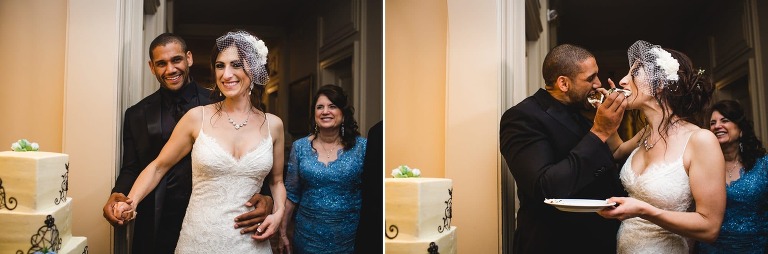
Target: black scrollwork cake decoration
392,228
64,186
85,251
432,248
6,203
47,238
448,213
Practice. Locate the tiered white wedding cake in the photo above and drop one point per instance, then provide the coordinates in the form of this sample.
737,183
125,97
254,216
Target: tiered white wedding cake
35,212
418,216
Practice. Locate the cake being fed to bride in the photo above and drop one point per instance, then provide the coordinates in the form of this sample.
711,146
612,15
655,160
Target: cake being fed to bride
35,212
418,212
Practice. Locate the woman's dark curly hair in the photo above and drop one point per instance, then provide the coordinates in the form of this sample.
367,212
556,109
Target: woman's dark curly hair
751,148
349,129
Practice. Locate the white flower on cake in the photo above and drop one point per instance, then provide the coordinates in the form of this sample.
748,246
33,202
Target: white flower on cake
403,171
23,146
669,64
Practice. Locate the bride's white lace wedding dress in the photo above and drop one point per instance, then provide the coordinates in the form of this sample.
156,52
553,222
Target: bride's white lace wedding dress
221,184
665,186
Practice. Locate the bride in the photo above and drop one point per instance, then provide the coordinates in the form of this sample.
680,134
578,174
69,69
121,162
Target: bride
234,145
671,164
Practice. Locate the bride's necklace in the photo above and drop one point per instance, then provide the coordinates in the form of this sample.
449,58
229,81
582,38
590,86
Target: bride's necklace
647,145
236,125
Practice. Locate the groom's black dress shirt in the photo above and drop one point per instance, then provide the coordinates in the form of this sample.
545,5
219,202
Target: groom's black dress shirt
146,128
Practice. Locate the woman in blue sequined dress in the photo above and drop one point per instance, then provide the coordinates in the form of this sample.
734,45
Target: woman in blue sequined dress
745,225
323,180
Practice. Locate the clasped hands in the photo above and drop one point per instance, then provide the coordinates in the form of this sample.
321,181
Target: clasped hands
260,221
114,210
124,211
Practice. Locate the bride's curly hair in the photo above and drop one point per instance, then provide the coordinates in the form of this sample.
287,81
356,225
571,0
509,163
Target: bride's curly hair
688,98
691,95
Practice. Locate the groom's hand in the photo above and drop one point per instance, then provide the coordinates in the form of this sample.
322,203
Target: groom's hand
609,113
109,208
250,221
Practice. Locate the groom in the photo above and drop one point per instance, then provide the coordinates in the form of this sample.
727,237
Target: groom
553,151
147,127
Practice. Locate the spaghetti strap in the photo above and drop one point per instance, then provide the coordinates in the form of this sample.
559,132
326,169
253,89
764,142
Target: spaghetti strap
686,142
269,130
202,108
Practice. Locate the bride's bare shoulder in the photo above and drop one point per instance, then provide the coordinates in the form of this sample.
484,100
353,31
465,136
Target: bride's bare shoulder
274,120
703,140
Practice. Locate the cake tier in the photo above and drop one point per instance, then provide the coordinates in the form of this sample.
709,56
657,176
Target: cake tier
417,208
32,181
444,244
25,231
76,245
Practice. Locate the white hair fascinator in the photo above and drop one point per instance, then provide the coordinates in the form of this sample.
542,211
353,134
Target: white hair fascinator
251,50
659,66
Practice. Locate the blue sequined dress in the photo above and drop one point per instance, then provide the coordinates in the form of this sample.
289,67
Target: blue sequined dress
327,198
745,225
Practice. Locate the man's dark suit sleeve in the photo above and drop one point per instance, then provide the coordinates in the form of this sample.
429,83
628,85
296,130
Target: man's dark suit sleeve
265,190
372,185
530,152
130,168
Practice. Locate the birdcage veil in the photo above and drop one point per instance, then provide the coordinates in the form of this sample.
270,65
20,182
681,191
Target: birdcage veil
251,50
659,66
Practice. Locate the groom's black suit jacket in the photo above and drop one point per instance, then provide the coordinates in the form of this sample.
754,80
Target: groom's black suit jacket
552,154
160,214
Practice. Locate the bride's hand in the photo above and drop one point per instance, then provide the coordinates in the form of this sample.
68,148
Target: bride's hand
268,227
124,211
626,208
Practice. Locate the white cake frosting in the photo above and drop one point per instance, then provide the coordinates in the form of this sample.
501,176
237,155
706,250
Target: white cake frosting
445,243
35,212
418,212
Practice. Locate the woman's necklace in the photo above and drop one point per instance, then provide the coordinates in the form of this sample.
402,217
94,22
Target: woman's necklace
732,168
232,122
328,153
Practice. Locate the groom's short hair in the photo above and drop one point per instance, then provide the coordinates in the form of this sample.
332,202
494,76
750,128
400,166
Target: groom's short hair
563,60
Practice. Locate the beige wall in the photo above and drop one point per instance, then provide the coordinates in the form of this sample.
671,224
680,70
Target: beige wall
415,53
472,120
91,113
32,86
59,89
442,105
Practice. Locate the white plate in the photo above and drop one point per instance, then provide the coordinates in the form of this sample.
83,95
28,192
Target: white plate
579,205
